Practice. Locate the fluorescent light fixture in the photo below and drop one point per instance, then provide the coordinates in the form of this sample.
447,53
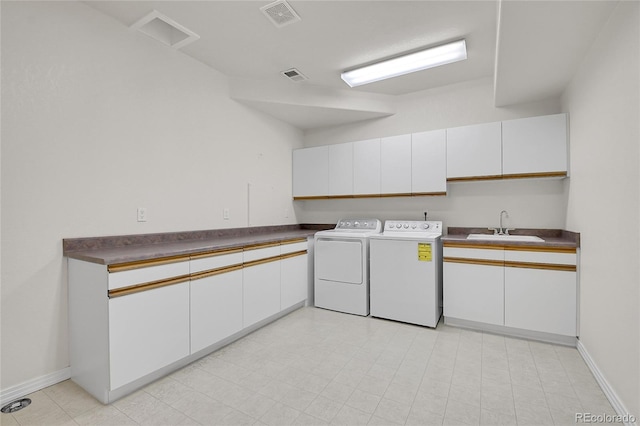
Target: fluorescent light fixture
418,61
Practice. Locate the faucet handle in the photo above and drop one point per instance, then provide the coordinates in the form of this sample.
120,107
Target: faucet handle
506,230
495,231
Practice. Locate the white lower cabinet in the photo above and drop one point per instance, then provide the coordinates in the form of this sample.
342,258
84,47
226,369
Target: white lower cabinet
133,322
147,331
532,290
540,300
216,308
474,292
261,292
293,274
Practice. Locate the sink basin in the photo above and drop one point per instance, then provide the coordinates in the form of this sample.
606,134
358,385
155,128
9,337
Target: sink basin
492,237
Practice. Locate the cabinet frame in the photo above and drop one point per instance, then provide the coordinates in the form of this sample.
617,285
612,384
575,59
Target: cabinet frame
540,259
89,311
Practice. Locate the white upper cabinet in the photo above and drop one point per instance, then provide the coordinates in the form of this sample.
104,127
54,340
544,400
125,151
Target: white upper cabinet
366,167
535,145
429,162
395,165
341,169
311,172
474,151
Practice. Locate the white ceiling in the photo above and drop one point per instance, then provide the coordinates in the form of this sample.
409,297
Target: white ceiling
530,48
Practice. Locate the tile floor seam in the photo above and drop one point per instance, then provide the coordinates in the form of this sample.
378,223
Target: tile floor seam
444,416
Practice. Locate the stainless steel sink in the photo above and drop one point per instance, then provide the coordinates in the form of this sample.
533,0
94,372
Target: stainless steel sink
492,237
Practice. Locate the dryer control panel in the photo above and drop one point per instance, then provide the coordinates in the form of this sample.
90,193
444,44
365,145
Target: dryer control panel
359,225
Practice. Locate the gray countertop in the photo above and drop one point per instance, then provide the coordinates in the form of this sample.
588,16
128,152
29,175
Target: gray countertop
131,248
553,238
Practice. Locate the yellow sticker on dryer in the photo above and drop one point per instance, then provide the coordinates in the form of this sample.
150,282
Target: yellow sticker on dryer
424,252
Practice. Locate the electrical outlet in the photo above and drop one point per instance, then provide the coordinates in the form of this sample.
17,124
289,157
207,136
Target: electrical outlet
225,214
142,214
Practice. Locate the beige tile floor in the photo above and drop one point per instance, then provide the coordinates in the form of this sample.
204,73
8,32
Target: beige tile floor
316,367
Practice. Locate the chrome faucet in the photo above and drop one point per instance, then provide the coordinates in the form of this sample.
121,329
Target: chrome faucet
501,230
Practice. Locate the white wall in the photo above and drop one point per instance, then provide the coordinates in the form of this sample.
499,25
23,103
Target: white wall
530,203
603,205
97,121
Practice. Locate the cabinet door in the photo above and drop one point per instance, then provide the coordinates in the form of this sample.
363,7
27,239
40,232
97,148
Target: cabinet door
261,292
474,151
474,292
535,145
147,331
395,165
540,300
216,308
311,172
429,162
341,169
293,281
366,167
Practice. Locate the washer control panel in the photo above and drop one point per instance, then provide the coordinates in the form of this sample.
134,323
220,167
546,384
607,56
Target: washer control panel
426,226
359,224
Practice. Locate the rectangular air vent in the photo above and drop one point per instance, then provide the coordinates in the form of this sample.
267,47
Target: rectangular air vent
280,13
165,30
294,75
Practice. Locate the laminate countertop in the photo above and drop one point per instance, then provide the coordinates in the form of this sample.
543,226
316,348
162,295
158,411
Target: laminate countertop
132,248
553,238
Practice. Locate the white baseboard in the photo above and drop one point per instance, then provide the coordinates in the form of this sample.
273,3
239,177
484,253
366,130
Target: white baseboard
611,395
18,391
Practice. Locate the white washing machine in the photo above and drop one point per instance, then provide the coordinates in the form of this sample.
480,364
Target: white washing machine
406,272
341,266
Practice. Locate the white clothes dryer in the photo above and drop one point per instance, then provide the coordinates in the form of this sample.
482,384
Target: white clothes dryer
341,266
406,272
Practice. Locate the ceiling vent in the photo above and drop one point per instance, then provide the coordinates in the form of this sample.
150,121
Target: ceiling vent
165,30
280,13
294,75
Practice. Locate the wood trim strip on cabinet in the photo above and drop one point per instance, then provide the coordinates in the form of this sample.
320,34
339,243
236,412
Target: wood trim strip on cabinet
534,175
293,241
293,254
261,261
569,250
398,194
366,195
509,176
546,266
472,178
311,197
547,249
472,246
126,266
218,271
214,253
260,245
486,262
428,194
339,197
147,286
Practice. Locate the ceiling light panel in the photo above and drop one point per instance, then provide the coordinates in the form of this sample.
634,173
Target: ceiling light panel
417,61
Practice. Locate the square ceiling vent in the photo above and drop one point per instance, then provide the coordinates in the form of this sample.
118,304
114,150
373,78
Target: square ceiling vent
280,13
165,30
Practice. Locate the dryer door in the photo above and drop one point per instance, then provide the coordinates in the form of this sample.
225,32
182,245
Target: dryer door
339,260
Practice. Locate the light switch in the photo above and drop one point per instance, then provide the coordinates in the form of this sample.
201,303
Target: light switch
225,214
